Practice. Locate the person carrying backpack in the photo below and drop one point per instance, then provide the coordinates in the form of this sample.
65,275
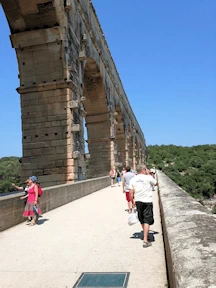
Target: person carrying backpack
32,208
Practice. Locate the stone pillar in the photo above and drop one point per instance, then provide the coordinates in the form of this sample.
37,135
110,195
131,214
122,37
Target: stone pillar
112,155
134,151
112,140
126,152
47,130
130,148
78,144
140,156
47,102
134,161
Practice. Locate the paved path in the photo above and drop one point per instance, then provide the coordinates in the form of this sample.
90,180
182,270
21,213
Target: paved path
88,235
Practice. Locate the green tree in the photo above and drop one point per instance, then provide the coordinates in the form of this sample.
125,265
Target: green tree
192,168
9,172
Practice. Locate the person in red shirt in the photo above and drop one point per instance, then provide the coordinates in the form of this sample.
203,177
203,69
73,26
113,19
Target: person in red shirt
32,208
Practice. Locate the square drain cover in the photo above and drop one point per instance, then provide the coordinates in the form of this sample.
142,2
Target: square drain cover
101,280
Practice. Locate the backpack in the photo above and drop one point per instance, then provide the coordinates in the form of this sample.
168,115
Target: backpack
40,191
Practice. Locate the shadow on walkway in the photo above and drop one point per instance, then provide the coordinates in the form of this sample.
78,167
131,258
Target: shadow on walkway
140,235
41,221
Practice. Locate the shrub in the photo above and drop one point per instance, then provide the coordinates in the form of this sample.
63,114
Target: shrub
214,210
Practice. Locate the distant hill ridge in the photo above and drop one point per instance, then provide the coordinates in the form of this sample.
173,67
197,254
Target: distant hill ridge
192,168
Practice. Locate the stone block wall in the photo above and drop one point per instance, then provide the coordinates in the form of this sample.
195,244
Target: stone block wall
189,235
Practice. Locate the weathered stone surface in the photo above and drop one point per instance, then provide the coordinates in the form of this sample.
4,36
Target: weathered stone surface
66,73
190,237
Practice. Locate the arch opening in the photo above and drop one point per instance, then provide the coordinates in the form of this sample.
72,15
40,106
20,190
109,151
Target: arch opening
10,102
97,121
120,139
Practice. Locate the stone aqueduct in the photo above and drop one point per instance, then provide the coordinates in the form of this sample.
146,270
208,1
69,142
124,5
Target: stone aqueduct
68,78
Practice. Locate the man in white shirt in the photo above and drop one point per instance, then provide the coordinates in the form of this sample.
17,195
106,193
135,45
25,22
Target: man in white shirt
141,191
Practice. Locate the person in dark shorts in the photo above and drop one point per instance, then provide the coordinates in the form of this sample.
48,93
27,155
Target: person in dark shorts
112,176
141,190
118,177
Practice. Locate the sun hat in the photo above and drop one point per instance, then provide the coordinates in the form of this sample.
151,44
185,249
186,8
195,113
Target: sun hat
33,178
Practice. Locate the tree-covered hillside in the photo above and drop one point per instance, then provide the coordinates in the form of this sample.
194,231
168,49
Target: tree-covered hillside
192,168
9,172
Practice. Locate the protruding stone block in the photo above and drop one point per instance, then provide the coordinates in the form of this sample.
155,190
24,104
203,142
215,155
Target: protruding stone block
87,156
76,154
84,37
75,128
68,6
82,56
73,104
83,113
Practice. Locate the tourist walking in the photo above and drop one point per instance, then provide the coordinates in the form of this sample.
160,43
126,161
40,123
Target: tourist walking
112,175
123,171
125,184
141,191
32,208
152,173
118,177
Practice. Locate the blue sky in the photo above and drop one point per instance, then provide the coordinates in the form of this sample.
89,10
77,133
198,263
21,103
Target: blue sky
165,52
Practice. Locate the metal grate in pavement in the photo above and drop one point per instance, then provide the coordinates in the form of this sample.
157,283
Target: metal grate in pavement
103,280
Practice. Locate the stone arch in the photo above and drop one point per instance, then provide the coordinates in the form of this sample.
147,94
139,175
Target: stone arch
97,120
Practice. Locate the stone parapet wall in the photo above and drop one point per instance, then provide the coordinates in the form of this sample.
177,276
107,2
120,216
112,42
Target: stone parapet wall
189,235
11,207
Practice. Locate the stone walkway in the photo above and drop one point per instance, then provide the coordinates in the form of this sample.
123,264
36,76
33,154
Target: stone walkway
88,235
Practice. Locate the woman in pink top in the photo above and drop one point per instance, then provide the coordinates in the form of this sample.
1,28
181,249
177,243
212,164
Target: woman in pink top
32,207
